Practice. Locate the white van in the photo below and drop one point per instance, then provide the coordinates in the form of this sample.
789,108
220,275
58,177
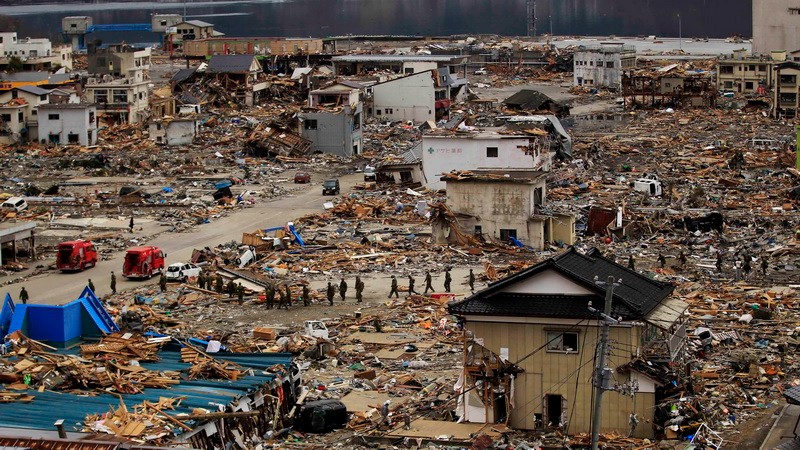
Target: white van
16,204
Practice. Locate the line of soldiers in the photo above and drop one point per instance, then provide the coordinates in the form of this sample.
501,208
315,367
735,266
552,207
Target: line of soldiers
448,279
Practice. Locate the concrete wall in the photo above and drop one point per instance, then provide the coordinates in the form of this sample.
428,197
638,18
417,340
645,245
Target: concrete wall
176,132
13,125
496,205
442,154
557,373
69,121
419,66
776,25
406,98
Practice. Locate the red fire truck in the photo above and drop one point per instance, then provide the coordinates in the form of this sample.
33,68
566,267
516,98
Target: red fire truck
76,255
143,262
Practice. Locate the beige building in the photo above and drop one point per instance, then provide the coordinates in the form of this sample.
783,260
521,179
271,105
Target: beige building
776,25
748,74
120,100
532,338
506,205
786,95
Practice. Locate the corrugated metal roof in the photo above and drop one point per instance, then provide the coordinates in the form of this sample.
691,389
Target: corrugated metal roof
50,406
230,63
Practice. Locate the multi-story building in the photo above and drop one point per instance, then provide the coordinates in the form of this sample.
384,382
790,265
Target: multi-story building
786,95
120,60
747,74
251,46
34,53
120,100
776,25
602,66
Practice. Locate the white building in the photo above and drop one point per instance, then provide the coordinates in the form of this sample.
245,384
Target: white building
411,97
13,116
174,131
602,66
35,53
68,123
485,150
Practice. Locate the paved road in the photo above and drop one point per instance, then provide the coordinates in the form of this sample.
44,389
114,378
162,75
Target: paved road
59,288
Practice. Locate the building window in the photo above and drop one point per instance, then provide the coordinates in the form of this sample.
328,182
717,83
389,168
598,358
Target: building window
43,97
748,85
101,96
357,121
726,69
609,64
91,117
5,117
120,96
561,341
377,112
794,11
507,234
762,68
478,230
752,67
53,117
389,111
408,70
310,124
73,138
728,85
21,117
492,152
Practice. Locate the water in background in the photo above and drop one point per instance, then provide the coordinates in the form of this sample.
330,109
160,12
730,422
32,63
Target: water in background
320,18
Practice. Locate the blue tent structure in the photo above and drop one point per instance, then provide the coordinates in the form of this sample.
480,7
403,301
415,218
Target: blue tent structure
58,325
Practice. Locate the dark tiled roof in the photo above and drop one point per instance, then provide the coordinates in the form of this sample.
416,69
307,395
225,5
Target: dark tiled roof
35,90
183,74
793,395
634,298
528,99
230,63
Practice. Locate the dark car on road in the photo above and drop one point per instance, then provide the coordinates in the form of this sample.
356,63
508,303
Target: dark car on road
330,187
302,177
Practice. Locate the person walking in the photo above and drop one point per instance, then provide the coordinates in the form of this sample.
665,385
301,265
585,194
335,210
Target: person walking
343,289
662,261
130,225
331,292
218,284
719,261
288,290
394,288
764,265
270,296
359,290
682,259
447,280
428,282
411,283
306,293
91,286
631,263
113,283
471,281
23,296
231,288
240,294
162,283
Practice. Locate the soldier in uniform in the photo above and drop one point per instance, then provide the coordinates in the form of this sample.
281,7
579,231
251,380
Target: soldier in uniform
428,282
394,288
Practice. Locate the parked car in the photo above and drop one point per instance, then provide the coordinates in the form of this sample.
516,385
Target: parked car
15,204
369,173
481,71
182,271
302,177
330,187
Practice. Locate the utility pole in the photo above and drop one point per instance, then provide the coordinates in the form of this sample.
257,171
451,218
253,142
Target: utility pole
602,374
531,16
680,33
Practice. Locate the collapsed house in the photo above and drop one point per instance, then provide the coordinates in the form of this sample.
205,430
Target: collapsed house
668,86
532,101
540,337
333,119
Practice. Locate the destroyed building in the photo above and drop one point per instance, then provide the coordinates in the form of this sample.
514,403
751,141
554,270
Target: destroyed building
174,130
251,46
602,65
121,100
507,206
531,101
397,64
120,60
334,119
786,95
238,75
668,86
411,97
539,321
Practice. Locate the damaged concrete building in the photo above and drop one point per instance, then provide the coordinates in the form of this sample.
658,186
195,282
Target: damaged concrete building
602,65
537,326
333,119
507,206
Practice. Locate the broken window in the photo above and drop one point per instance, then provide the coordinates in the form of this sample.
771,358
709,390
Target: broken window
377,112
101,96
53,116
507,234
120,96
73,138
726,69
21,117
357,121
788,79
492,152
54,138
555,406
91,117
788,99
794,11
609,64
748,85
409,70
5,117
310,124
561,341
